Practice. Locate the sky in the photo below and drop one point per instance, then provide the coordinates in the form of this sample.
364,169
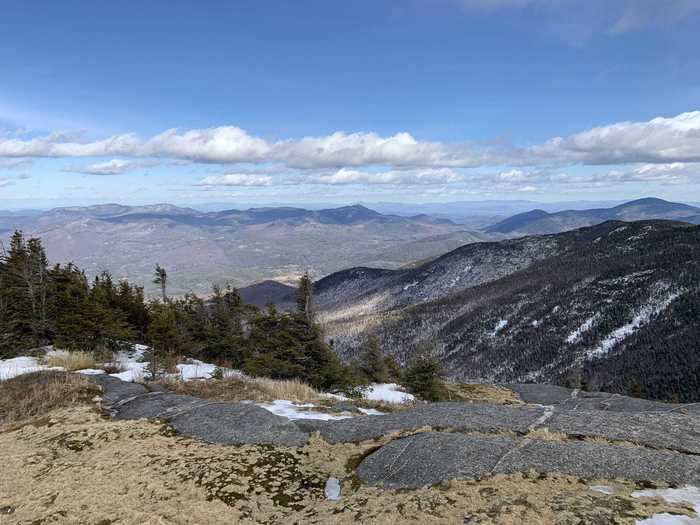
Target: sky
371,100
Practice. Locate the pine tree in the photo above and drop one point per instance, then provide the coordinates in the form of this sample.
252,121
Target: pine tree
423,376
160,276
304,297
372,362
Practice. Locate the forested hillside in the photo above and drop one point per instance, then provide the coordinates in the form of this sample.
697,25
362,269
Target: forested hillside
42,304
612,307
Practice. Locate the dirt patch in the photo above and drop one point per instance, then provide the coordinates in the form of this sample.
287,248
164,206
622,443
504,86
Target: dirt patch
74,466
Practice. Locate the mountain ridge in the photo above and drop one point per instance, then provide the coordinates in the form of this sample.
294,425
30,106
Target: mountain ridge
541,222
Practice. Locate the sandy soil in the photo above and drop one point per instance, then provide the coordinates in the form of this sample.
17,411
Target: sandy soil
75,466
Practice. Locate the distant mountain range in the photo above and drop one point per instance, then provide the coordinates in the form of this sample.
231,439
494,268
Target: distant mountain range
613,307
539,221
240,246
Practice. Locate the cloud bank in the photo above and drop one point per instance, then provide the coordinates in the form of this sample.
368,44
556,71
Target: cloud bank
663,149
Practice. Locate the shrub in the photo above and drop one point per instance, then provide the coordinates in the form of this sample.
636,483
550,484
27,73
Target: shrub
423,378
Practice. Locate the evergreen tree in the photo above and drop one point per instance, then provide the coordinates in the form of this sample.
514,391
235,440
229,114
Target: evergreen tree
423,376
373,363
304,297
160,276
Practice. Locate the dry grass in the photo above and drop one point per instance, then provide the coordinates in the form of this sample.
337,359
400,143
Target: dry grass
481,393
33,395
248,389
545,435
71,361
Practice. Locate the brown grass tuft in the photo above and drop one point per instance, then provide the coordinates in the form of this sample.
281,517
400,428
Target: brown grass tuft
71,360
248,389
545,435
32,395
481,393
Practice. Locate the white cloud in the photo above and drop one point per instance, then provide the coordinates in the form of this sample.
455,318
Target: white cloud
111,167
394,177
662,140
236,179
227,144
6,182
364,149
14,163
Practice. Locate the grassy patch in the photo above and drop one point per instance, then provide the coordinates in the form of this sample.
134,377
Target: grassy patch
34,395
71,361
247,389
482,393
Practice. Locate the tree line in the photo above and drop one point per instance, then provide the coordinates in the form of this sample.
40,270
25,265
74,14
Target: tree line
41,304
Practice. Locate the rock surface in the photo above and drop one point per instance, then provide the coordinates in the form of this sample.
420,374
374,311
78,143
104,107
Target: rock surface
429,458
224,423
237,424
570,399
468,417
458,440
115,390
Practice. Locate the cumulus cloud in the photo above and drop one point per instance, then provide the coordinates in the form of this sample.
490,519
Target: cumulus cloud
363,149
394,177
662,140
224,144
230,144
236,179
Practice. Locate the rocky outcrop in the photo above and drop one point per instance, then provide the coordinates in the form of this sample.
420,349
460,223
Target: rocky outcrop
457,440
429,458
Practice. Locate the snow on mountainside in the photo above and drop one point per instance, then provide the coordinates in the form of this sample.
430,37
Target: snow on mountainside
614,306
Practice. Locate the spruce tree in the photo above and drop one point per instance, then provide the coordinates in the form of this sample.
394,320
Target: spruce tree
160,276
373,363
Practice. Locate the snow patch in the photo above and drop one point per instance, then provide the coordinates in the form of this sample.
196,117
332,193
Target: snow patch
389,392
643,316
17,366
292,410
500,325
196,369
687,494
90,371
587,324
603,489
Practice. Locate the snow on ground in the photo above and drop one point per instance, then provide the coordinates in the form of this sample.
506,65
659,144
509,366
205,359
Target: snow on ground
587,324
17,366
291,410
370,411
500,325
603,489
90,371
389,392
643,316
687,494
196,369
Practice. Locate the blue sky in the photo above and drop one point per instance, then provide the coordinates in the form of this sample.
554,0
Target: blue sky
411,101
